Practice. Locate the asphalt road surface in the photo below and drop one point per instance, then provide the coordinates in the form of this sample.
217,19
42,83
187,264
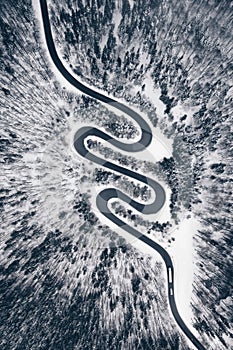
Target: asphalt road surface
104,196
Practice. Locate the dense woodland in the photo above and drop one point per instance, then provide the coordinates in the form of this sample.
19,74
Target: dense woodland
67,280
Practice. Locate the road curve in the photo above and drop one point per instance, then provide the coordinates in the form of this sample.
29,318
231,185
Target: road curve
104,196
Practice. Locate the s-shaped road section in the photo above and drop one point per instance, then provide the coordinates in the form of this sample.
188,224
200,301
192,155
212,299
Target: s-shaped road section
104,196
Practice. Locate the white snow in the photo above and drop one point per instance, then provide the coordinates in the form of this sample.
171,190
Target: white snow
182,249
180,110
103,42
153,94
182,253
117,20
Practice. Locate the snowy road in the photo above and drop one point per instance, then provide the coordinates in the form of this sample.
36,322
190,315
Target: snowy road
104,196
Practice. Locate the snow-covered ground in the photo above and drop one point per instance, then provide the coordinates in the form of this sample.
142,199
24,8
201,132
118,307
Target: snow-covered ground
182,248
182,253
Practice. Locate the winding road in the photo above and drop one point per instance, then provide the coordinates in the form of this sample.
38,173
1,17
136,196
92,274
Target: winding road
104,196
